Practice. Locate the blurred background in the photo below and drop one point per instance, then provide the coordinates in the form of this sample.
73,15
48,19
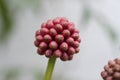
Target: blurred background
97,20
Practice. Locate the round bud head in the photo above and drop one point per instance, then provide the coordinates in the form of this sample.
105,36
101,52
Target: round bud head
53,45
117,60
112,70
57,53
44,31
47,38
48,53
36,43
39,38
71,50
49,24
66,33
43,46
59,38
70,41
64,46
75,36
53,32
58,28
64,57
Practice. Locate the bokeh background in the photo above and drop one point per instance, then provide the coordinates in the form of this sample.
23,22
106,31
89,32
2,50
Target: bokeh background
97,20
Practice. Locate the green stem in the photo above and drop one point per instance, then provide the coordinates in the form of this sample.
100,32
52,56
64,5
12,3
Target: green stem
50,68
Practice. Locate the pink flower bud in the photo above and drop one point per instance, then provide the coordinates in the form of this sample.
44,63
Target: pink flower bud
71,29
117,75
44,31
104,74
58,28
57,53
59,38
71,50
40,51
43,25
64,46
37,33
53,32
39,38
56,20
75,36
71,24
64,19
70,41
47,38
53,45
43,46
76,44
64,57
36,43
48,53
66,33
49,24
70,57
77,50
64,24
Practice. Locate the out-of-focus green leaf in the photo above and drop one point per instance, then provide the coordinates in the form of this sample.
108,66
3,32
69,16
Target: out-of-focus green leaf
6,21
86,15
11,74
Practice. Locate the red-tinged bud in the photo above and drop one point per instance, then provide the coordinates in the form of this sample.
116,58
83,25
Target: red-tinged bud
49,24
117,75
77,50
64,57
39,38
76,44
109,78
48,53
53,45
71,24
75,36
70,57
71,50
66,33
44,31
59,38
64,19
53,32
43,46
117,60
57,53
106,67
64,24
70,41
40,51
56,20
116,67
79,40
111,63
58,28
37,33
76,31
43,25
71,29
36,43
47,38
64,46
104,74
110,71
